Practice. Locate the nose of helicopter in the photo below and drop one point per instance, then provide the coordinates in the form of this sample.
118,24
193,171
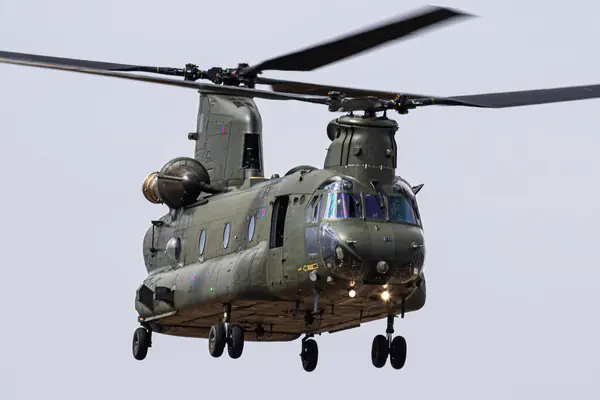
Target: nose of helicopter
373,251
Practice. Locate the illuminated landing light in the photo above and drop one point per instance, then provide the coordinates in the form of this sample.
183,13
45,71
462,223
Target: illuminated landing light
352,293
385,286
385,295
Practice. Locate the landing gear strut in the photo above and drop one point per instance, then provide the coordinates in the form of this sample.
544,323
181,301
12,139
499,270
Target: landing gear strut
223,334
142,341
384,347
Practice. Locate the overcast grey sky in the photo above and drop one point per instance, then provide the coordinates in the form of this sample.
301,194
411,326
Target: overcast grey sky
510,205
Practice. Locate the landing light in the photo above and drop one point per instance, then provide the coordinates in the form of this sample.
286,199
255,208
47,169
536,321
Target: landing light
352,293
385,295
382,267
339,253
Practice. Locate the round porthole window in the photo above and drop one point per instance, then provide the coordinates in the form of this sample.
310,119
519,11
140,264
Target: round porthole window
202,242
251,226
173,249
226,235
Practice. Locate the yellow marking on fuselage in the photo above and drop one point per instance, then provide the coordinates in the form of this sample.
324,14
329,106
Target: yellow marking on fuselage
310,267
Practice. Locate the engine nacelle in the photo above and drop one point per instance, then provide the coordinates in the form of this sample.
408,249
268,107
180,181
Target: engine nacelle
177,184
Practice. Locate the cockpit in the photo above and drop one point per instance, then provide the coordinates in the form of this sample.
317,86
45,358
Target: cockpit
336,199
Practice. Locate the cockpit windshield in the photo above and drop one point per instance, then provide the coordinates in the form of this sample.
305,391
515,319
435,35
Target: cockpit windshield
343,205
339,205
340,202
375,207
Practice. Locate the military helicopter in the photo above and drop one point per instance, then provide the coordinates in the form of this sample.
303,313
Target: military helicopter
239,256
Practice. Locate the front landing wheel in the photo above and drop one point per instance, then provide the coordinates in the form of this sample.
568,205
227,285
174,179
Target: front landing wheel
141,343
398,352
235,343
309,355
379,351
217,340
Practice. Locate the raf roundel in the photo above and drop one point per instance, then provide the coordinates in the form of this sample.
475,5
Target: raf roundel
263,211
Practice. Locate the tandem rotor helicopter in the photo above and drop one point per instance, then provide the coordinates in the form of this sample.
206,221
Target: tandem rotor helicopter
239,256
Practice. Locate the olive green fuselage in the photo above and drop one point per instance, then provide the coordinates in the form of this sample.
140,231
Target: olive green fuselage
238,261
310,252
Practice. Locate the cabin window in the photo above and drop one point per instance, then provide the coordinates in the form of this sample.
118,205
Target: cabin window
173,249
374,207
401,210
251,226
202,242
226,233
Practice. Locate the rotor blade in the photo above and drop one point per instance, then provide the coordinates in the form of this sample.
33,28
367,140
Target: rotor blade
98,65
335,50
202,87
520,98
314,89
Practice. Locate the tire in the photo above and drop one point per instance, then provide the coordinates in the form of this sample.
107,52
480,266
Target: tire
379,351
140,344
235,344
310,355
216,340
398,352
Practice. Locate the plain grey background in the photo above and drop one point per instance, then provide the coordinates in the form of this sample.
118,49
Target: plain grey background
510,203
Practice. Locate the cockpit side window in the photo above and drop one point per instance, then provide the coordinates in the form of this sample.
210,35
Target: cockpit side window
317,210
417,214
405,210
309,209
375,207
399,186
401,210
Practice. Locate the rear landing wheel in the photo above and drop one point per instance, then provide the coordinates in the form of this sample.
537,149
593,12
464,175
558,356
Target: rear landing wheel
398,352
217,340
141,343
235,342
309,355
379,351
